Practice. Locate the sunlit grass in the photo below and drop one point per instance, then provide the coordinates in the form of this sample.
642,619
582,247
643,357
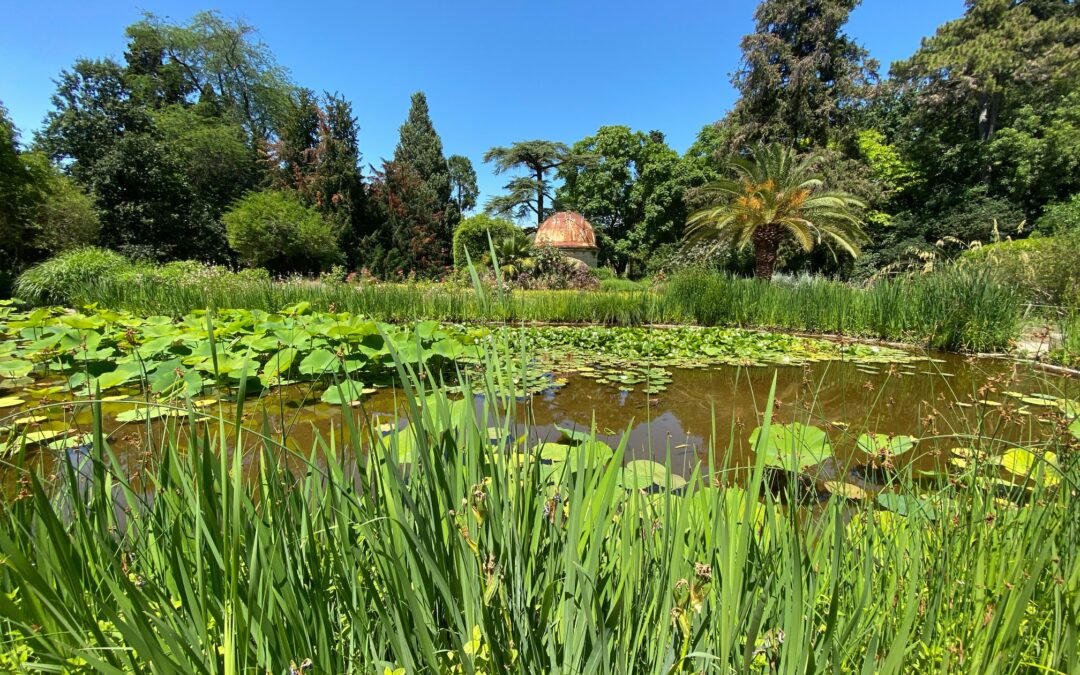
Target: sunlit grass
447,547
954,309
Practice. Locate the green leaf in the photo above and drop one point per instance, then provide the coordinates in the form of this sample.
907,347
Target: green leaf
124,373
641,474
346,391
878,444
906,505
792,447
319,362
10,401
278,363
552,452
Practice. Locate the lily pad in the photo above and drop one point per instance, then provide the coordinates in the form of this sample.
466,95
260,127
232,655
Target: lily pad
552,452
906,505
846,490
642,474
792,447
11,401
344,392
877,444
146,413
1024,463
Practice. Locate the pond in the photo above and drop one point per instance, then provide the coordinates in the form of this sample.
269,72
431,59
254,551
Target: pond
674,393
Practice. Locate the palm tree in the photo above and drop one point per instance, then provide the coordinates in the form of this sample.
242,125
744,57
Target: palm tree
773,194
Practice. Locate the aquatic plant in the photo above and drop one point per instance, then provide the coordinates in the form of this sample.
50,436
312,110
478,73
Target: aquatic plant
450,544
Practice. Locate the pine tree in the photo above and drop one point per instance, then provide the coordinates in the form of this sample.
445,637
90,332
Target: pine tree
528,193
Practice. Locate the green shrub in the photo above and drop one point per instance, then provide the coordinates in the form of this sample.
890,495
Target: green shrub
605,273
472,234
56,280
277,231
1043,269
183,273
1061,217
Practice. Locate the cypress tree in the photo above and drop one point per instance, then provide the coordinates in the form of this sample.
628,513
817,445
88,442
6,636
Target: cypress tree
420,147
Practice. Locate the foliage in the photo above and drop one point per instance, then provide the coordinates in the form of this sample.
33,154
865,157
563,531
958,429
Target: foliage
472,235
135,171
277,231
218,163
1061,217
529,193
985,103
799,76
1036,160
463,189
514,253
629,186
993,53
446,544
616,284
1042,268
212,60
57,280
318,156
420,146
888,166
773,195
65,218
955,308
952,308
551,270
41,210
405,233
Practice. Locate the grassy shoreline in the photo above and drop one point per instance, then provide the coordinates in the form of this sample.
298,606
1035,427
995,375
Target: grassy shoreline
955,310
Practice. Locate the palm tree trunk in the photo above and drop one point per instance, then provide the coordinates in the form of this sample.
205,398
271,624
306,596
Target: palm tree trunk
766,240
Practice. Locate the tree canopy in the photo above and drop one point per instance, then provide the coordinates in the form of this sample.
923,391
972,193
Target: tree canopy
530,193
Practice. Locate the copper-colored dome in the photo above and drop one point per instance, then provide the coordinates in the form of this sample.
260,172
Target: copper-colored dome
566,229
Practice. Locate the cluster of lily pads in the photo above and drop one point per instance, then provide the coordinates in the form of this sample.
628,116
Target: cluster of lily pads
798,449
630,357
50,354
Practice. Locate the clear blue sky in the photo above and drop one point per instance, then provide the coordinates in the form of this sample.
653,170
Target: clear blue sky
495,71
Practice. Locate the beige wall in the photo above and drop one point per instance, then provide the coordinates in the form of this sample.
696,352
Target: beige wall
585,255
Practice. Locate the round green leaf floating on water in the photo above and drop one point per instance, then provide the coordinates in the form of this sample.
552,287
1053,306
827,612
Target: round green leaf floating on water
552,452
592,453
792,447
10,401
146,413
642,474
906,505
344,392
877,444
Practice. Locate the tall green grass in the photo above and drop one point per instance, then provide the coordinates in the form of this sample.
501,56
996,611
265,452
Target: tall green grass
1067,351
478,558
958,308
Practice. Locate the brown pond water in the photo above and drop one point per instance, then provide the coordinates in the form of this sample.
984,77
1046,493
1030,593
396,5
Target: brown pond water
939,401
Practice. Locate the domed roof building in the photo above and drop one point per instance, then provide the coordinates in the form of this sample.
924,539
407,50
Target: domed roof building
571,234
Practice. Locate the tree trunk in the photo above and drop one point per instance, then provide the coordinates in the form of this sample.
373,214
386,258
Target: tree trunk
539,199
766,240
